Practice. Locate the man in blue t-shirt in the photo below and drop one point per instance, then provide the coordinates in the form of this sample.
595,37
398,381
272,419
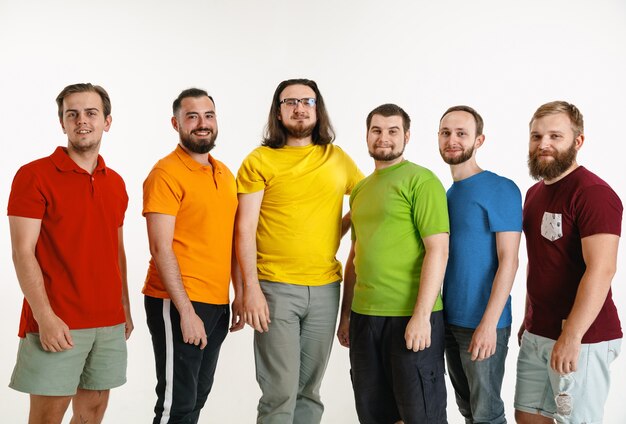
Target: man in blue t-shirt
485,227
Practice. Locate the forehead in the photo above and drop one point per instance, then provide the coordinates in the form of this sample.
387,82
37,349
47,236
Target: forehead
386,121
458,119
297,91
553,122
196,104
84,100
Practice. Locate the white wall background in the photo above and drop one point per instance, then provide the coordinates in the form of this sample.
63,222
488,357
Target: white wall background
504,58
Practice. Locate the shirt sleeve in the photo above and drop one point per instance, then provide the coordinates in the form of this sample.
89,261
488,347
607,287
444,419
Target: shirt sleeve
430,208
505,209
354,173
27,198
250,177
161,193
599,210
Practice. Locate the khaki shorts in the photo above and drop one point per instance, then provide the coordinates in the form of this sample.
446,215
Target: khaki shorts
96,362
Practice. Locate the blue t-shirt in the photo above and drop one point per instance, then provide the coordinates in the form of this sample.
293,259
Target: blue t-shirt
479,207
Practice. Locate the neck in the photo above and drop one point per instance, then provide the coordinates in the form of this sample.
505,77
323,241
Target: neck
299,142
378,164
569,170
465,170
201,158
87,160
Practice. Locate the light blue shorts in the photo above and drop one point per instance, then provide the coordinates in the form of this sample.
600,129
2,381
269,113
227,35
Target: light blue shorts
96,362
577,397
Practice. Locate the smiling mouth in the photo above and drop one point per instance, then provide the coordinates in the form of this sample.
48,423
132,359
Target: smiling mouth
83,131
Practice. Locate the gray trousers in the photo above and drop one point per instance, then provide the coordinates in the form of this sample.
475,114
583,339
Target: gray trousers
291,357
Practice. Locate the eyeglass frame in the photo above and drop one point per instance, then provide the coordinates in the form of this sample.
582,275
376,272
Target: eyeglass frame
307,102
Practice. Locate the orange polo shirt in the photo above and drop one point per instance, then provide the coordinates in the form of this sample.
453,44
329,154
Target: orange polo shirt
204,202
77,249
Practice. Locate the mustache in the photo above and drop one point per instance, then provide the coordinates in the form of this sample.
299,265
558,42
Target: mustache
202,130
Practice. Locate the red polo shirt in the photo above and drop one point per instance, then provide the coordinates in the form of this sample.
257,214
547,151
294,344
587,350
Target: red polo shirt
77,248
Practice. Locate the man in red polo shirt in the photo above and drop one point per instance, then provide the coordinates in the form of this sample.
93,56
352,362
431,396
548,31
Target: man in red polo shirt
65,214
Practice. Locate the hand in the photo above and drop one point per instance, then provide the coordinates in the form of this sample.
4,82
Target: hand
237,322
520,333
417,334
192,328
256,313
343,332
565,353
483,343
129,326
54,334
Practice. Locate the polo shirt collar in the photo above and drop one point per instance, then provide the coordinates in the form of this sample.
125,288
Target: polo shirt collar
64,163
192,164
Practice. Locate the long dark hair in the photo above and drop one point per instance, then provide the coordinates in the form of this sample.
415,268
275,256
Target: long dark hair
275,135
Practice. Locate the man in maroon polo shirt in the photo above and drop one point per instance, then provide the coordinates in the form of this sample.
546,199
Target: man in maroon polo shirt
65,214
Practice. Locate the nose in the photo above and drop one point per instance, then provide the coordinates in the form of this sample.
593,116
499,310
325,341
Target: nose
544,142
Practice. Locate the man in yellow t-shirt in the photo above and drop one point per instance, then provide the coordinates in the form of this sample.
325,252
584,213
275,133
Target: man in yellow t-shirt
287,233
190,201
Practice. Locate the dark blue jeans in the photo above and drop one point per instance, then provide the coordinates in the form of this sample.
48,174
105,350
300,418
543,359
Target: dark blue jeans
390,382
477,384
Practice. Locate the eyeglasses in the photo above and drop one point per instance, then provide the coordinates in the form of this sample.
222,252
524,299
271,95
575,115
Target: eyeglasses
306,102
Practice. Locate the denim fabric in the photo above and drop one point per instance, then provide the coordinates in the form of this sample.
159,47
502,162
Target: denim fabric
477,384
390,382
577,397
291,357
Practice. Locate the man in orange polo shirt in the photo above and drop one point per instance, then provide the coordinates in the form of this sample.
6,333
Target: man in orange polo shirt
190,200
66,213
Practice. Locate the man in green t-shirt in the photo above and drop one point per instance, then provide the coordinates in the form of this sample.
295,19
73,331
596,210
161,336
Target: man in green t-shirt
391,315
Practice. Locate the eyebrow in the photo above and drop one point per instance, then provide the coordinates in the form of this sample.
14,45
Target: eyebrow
89,109
193,112
395,127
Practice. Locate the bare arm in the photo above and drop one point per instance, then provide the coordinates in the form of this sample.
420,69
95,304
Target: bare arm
256,312
417,333
237,321
160,237
121,255
345,223
54,334
600,255
483,343
349,280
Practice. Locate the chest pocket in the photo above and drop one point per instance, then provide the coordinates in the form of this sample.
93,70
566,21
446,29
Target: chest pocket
552,226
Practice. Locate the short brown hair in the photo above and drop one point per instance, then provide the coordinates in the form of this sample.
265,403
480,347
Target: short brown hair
190,92
462,108
85,88
387,110
559,106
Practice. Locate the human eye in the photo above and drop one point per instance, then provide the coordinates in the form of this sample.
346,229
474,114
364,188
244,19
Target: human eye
555,136
444,133
290,102
460,134
308,101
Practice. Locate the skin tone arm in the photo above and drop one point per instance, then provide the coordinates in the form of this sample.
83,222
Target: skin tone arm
256,313
160,237
237,322
345,223
54,334
349,279
121,253
417,333
483,343
600,255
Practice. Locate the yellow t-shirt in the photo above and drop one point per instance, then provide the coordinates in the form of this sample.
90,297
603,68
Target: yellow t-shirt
204,202
300,221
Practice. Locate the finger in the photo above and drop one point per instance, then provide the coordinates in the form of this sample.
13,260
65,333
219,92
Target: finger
68,338
264,319
256,323
203,342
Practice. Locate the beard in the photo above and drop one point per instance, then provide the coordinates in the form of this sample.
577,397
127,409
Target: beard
387,157
300,130
552,169
464,157
202,145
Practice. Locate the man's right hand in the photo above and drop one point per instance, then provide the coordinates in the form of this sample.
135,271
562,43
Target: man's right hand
256,313
54,334
192,328
343,332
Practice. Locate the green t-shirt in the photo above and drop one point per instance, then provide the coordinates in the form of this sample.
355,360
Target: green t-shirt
392,210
